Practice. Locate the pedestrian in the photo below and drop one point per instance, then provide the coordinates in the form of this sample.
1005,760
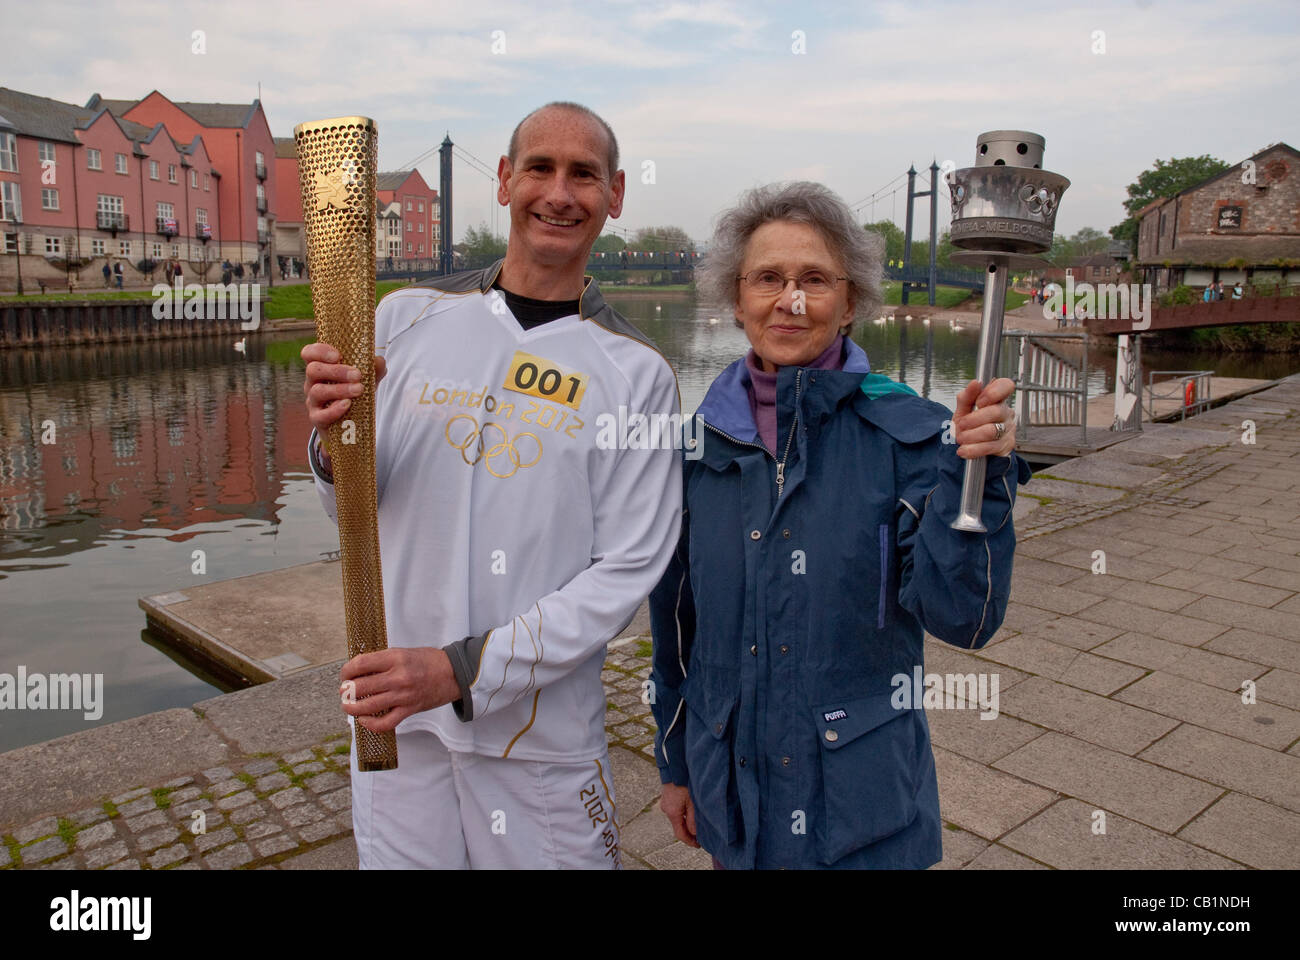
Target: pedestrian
816,550
1208,295
117,272
239,271
226,276
1236,290
1218,290
538,545
108,275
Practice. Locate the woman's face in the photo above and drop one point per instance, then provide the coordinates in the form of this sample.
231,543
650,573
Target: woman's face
787,329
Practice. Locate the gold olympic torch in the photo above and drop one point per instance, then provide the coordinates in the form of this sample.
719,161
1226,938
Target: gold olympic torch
336,166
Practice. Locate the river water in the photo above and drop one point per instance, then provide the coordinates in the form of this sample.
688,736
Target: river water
167,448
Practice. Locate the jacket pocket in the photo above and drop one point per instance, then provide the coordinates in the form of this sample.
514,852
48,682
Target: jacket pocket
871,761
709,736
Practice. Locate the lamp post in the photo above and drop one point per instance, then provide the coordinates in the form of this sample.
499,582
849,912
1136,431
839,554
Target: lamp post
17,221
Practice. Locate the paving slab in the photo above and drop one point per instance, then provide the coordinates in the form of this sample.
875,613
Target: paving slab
1228,762
1249,831
1064,836
1267,724
981,800
1113,781
1076,668
1106,722
1194,663
959,848
998,857
113,757
300,709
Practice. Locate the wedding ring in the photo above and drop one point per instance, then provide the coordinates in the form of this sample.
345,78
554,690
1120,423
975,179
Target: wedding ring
999,428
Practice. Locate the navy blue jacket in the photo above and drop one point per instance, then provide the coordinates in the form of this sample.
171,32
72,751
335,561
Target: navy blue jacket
782,621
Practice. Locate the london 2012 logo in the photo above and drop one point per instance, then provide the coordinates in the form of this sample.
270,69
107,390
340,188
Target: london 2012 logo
492,445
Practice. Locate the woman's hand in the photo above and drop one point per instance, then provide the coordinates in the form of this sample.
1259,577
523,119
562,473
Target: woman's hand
677,807
975,430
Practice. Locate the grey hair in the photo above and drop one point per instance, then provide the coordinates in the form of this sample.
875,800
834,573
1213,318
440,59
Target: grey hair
612,155
860,252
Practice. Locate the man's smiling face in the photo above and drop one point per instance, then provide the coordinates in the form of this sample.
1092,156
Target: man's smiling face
559,187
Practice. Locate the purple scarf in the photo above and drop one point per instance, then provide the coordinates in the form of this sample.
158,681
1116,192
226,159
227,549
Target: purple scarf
762,388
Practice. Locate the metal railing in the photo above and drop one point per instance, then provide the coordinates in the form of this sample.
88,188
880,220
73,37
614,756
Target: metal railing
1051,390
1176,388
111,221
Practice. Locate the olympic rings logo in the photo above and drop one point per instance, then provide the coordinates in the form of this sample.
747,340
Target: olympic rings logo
475,438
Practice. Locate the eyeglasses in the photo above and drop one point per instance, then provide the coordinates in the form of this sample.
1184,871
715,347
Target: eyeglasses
770,283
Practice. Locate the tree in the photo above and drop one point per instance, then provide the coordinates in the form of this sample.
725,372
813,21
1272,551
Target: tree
662,238
893,235
608,243
481,243
1163,180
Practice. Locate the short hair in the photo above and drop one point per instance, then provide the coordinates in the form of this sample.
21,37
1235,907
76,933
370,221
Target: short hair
860,252
612,158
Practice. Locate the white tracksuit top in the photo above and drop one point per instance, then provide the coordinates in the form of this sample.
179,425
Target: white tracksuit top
499,514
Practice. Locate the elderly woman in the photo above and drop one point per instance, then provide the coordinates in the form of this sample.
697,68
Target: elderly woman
815,549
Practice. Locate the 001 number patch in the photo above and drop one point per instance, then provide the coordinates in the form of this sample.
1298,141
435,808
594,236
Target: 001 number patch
541,378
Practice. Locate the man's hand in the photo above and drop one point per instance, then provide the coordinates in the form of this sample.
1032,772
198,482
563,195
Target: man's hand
331,386
400,680
677,807
975,432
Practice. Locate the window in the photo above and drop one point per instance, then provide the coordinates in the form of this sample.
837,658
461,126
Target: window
408,246
200,215
49,199
11,201
8,153
194,179
421,228
394,228
96,248
261,195
261,224
260,159
107,204
166,210
46,152
207,181
171,173
124,248
421,248
119,162
52,245
409,225
153,169
176,249
157,251
92,159
11,243
421,206
408,206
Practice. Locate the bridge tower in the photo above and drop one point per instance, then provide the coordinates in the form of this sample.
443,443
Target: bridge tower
447,260
912,195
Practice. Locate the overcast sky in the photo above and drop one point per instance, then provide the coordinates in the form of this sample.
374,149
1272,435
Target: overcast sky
713,92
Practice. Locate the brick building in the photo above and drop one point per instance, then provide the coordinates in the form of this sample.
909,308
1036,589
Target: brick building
239,141
1242,225
419,213
83,182
290,236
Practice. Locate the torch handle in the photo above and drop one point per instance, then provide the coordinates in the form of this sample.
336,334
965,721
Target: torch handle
972,485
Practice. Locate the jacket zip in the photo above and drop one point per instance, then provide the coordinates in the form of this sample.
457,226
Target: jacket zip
780,464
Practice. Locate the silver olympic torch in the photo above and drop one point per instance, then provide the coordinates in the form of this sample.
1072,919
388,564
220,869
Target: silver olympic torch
1003,215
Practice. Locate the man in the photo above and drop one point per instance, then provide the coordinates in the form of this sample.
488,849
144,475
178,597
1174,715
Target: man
513,546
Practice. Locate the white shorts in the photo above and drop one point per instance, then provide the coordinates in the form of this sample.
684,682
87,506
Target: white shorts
444,809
